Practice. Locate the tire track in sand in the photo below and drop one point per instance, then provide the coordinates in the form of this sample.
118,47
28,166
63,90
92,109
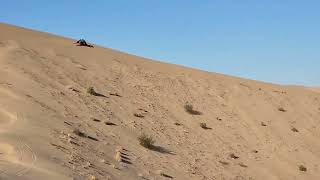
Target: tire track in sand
15,159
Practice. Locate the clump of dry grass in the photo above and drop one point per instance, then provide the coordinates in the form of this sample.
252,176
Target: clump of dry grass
189,108
203,125
91,91
146,141
79,133
302,168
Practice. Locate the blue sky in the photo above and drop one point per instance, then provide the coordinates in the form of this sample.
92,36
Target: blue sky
274,41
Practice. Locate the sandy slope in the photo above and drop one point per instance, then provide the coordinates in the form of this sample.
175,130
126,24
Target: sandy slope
43,83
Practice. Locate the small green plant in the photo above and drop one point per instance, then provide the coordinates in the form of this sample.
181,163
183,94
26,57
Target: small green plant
146,141
189,108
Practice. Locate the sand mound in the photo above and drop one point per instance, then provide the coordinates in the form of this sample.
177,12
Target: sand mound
197,125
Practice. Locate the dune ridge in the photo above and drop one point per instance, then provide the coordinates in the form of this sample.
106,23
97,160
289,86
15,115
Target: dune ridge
52,128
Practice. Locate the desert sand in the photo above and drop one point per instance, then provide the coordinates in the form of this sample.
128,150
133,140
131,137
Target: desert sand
51,128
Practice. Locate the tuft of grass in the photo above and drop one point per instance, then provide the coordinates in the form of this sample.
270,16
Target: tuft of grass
138,115
177,124
189,108
146,141
91,91
294,129
79,133
203,125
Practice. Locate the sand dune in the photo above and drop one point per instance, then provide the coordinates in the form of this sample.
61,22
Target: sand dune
252,130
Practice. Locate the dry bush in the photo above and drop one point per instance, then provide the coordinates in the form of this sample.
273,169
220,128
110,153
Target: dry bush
190,110
79,133
302,168
91,91
203,125
146,141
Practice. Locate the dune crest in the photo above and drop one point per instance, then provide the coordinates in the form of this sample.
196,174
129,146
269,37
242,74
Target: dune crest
71,112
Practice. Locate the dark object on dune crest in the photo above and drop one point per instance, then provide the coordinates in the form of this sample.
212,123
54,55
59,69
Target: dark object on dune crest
82,42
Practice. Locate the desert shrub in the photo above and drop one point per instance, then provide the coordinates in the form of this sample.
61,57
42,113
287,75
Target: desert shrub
79,133
190,110
302,168
146,141
91,91
177,124
203,125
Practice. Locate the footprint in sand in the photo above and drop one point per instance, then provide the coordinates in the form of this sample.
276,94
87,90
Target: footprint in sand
7,119
16,160
8,93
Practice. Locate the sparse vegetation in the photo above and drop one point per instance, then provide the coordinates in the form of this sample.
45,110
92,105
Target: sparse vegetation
190,110
146,141
109,123
138,115
224,163
203,125
233,156
302,168
91,91
79,133
177,124
243,165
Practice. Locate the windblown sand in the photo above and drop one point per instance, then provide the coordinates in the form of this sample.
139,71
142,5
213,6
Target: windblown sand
51,128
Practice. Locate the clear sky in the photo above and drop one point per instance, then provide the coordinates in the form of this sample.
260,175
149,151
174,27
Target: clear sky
269,40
